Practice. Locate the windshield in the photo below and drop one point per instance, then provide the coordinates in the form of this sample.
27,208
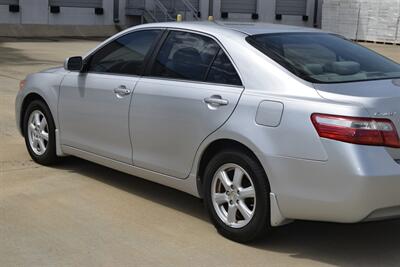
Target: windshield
325,58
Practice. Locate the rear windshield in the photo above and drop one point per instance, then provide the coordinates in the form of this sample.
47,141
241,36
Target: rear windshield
325,58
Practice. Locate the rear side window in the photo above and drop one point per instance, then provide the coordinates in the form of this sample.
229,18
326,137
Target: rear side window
185,56
325,58
222,71
126,55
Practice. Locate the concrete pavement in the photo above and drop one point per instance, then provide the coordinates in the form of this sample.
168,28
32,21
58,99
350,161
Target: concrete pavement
82,214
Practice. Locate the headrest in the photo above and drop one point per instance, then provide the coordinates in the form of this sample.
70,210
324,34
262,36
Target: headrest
343,67
314,69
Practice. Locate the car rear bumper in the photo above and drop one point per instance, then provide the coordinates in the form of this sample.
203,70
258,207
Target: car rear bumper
356,183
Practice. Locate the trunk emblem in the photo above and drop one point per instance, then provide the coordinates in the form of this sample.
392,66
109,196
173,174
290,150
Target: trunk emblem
385,114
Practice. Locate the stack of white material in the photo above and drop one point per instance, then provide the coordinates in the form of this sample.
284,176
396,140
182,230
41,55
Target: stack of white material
368,20
398,33
341,16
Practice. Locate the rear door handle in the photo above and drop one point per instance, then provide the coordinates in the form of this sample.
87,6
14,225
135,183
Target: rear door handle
216,100
122,91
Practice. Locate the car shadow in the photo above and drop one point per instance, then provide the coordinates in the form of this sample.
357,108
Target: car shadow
145,189
10,56
364,244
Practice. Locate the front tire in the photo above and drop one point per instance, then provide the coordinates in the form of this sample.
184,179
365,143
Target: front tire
236,191
39,133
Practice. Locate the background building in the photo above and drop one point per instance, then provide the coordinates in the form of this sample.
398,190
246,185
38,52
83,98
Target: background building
102,17
363,20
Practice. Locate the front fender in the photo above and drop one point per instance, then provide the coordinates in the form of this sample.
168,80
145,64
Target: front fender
46,86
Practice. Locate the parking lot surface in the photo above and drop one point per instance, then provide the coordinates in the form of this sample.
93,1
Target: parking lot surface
81,214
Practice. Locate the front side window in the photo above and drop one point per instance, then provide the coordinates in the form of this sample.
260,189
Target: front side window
126,55
325,58
185,56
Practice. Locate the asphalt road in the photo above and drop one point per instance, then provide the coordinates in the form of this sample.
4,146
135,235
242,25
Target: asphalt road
82,214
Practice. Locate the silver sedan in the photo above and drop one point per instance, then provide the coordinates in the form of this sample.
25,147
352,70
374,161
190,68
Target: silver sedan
266,123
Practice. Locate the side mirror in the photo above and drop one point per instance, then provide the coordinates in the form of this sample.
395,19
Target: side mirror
73,64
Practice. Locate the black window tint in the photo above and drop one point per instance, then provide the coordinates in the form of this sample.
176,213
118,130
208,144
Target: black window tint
185,56
222,71
125,55
325,58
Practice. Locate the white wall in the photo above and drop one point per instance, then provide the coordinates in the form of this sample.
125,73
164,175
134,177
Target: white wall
8,17
37,12
266,12
83,16
203,7
34,11
122,17
78,16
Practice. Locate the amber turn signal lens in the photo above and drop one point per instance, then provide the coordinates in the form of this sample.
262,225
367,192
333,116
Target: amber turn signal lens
21,84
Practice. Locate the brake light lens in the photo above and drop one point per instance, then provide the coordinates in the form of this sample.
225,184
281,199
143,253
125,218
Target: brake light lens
364,131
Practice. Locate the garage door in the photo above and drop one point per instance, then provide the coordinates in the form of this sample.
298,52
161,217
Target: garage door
291,7
8,2
239,6
179,5
76,3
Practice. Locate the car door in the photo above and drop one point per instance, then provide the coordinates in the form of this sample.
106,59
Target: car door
94,104
189,91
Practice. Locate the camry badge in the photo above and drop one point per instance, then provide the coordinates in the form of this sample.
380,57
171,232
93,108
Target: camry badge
385,114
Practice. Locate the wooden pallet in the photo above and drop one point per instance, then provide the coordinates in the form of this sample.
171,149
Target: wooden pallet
377,42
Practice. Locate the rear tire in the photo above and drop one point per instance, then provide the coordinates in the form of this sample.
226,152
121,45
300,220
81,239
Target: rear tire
238,207
39,133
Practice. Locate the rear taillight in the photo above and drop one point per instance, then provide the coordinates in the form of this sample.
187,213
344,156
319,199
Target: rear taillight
364,131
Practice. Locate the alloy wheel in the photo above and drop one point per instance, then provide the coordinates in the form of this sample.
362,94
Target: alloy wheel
233,195
38,132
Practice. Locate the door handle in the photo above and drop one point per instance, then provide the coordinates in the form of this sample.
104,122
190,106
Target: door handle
216,100
122,91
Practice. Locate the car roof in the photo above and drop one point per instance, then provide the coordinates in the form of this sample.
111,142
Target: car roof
248,28
264,28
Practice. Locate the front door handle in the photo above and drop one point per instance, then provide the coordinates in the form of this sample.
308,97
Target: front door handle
216,100
122,91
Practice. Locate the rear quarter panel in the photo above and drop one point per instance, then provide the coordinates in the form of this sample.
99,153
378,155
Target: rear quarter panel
294,137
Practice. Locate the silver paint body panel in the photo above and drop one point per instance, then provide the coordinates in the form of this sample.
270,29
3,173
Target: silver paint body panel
170,120
92,117
162,129
269,113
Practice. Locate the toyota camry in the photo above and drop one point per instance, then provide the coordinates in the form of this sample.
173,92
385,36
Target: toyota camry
266,123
